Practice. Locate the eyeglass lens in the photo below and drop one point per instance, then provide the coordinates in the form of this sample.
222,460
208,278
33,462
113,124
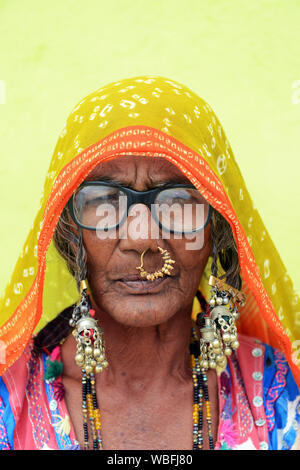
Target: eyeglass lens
175,209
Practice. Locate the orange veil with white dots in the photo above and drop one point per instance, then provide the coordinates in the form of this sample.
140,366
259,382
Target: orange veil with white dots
155,117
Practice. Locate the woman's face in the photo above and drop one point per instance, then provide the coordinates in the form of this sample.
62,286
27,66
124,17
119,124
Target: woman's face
112,262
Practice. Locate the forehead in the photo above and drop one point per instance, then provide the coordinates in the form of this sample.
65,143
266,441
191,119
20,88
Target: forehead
130,167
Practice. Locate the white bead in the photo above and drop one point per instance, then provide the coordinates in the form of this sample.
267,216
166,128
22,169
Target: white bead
263,445
257,401
260,422
257,376
256,352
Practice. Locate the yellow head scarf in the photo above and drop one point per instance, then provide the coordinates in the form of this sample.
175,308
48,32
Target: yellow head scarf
150,116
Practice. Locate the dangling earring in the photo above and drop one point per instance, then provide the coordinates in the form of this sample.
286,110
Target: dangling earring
219,334
90,357
90,354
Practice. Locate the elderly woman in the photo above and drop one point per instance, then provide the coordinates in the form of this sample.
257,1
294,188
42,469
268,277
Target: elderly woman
184,332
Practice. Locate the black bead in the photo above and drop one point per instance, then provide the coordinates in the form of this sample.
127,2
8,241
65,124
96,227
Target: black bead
200,318
192,348
95,444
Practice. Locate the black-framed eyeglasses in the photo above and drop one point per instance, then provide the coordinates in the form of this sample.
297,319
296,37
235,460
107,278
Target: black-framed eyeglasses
176,208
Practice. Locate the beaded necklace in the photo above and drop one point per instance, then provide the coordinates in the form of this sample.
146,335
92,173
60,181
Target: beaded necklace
200,392
91,411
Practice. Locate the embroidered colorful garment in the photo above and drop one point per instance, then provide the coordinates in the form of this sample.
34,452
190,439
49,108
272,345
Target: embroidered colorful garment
259,404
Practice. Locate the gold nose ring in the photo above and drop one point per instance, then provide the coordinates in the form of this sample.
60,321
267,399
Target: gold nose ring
167,267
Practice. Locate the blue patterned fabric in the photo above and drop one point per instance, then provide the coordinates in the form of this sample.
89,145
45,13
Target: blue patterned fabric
7,421
281,400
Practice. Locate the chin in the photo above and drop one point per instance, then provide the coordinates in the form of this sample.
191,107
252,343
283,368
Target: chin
139,313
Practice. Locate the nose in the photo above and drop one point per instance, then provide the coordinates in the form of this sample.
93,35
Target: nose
139,232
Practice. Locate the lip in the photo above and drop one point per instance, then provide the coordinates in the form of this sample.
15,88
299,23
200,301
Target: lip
135,285
130,277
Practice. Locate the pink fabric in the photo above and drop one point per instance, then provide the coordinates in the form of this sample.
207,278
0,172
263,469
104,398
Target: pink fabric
242,421
30,405
55,353
244,426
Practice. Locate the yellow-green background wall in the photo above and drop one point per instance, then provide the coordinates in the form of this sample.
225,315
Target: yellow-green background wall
242,56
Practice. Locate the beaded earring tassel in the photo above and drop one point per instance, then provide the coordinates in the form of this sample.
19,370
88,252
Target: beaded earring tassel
90,357
200,393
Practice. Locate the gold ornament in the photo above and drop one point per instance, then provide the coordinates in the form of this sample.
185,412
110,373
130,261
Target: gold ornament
219,333
90,352
167,267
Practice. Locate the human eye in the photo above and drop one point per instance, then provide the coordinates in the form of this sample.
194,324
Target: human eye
96,195
176,195
104,199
